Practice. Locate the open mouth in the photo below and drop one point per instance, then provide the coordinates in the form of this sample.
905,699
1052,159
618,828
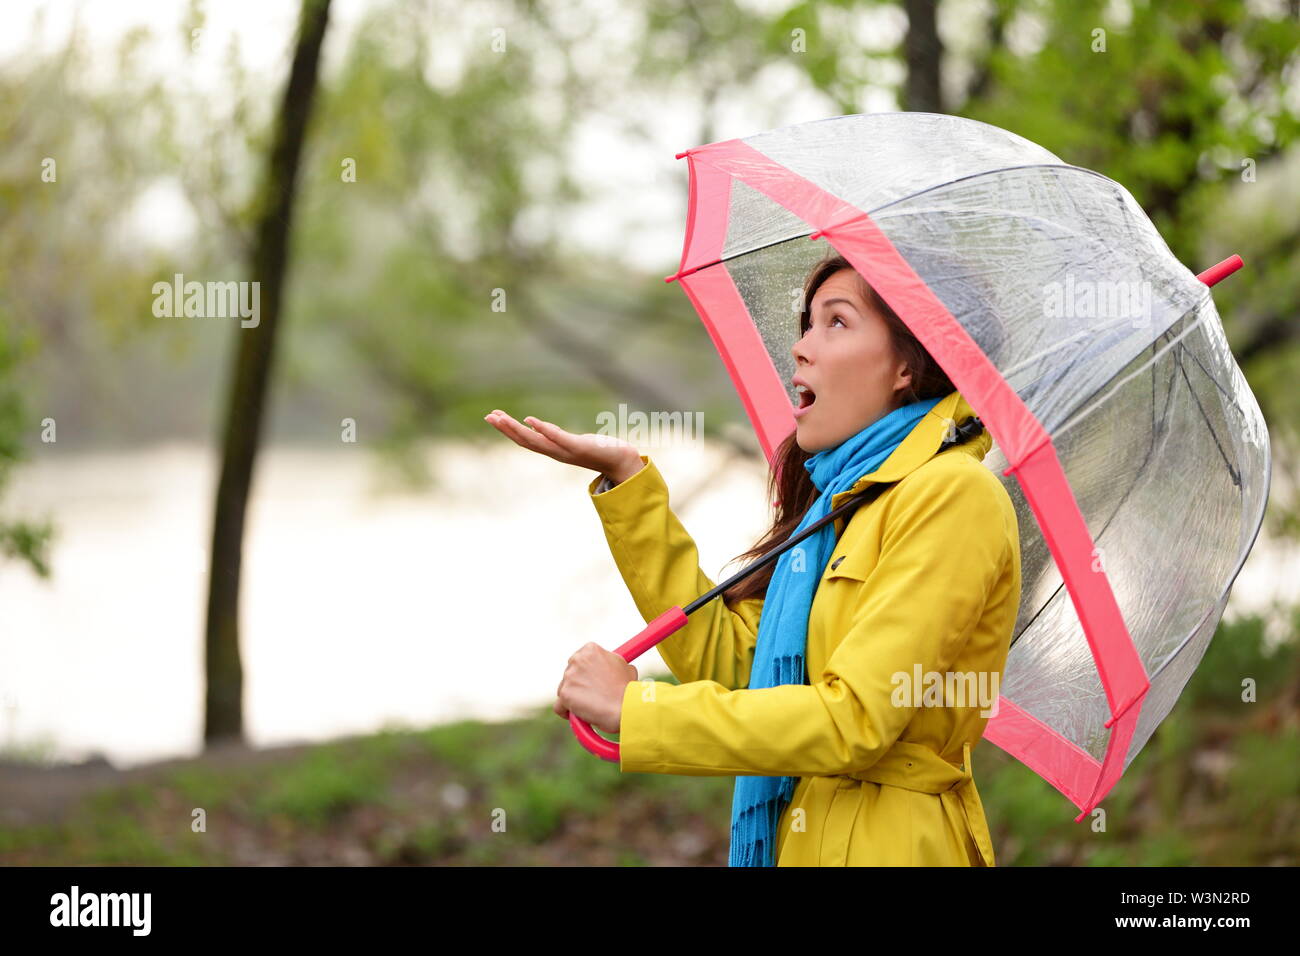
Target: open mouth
806,397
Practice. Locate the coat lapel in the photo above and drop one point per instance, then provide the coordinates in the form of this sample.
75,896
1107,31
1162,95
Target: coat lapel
922,444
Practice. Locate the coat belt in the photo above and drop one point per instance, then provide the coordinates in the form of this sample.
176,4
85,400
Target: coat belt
916,767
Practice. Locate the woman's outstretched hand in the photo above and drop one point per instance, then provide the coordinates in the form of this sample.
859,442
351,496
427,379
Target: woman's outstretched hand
602,453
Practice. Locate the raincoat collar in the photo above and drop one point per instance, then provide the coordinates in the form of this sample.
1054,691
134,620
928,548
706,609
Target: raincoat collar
922,444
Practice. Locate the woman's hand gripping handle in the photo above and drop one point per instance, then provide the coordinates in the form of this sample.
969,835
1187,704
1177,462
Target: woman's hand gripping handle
667,623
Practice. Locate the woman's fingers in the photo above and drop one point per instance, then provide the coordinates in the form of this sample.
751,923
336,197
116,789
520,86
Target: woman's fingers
523,435
553,433
507,425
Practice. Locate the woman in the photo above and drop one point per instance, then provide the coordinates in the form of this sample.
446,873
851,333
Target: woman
863,756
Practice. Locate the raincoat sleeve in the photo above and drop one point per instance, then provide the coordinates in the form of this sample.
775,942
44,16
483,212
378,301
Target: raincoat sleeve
660,565
942,551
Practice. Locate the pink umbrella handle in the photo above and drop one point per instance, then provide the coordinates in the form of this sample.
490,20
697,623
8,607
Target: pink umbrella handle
1220,270
673,618
666,623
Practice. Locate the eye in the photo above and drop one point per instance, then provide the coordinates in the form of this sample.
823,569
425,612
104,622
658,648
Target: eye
834,318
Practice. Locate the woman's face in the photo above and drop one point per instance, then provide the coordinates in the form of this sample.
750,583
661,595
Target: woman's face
847,360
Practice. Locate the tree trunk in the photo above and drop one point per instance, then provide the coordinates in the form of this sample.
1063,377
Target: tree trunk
223,714
922,55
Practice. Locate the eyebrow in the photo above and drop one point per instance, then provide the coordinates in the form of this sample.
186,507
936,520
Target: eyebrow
833,301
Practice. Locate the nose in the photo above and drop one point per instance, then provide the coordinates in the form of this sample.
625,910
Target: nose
800,351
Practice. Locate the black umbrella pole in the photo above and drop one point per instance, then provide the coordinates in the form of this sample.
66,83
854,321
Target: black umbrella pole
672,620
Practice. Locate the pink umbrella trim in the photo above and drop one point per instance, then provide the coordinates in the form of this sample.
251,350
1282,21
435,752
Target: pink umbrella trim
1020,436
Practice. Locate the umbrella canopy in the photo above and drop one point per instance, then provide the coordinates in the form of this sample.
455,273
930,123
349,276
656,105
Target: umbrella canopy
1132,447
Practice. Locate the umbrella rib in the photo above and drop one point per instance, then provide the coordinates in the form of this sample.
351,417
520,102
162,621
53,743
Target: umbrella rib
955,260
1041,609
1164,415
1163,422
1222,391
988,172
1170,657
1079,416
1062,343
1232,472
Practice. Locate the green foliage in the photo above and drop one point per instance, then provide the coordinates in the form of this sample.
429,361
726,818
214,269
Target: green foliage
384,797
322,785
1175,806
1239,650
1266,774
425,841
123,838
203,786
1027,817
1185,96
462,179
464,172
458,743
1169,848
22,540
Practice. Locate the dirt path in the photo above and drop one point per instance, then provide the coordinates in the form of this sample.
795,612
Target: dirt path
32,794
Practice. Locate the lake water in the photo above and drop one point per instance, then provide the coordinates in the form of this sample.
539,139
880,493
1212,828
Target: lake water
361,607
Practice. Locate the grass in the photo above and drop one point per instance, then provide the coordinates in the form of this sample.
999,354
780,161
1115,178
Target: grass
1218,784
316,790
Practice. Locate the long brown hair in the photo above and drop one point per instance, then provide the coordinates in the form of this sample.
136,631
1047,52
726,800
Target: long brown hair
789,484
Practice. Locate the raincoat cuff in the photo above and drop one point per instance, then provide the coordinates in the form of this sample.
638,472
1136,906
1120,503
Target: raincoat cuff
603,497
639,737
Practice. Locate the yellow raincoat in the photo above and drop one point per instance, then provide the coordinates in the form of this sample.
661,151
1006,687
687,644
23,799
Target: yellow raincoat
918,600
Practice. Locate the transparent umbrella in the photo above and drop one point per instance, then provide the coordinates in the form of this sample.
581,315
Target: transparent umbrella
1130,443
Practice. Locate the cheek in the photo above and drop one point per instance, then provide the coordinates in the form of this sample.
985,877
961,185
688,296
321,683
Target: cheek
855,370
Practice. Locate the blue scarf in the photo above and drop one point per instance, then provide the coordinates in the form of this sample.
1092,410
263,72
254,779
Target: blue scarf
758,802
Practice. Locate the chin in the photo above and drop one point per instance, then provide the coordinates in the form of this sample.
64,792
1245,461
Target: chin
808,445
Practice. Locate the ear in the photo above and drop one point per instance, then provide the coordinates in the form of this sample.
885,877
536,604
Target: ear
903,385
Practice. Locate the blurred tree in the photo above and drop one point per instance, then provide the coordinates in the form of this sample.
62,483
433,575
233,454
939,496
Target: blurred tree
439,256
246,403
68,172
459,129
922,56
23,540
1191,105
